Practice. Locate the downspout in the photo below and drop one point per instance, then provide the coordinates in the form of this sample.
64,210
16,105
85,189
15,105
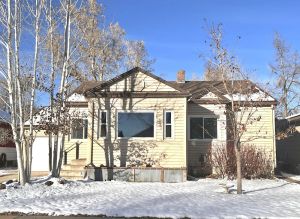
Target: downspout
274,136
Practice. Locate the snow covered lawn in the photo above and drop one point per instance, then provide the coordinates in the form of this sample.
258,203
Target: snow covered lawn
203,198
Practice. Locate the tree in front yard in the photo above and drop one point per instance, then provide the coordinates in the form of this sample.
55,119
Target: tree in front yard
242,98
18,79
286,68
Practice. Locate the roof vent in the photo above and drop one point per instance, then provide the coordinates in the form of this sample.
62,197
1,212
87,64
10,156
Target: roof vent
181,76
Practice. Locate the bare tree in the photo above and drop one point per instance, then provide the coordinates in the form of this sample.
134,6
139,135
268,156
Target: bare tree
286,68
36,12
102,47
137,56
241,97
19,103
218,66
62,92
104,50
50,45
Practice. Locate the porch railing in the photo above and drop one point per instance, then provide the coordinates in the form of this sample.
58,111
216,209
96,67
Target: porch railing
71,148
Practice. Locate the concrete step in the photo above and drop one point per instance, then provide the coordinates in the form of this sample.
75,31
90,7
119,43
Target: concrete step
73,167
81,161
75,173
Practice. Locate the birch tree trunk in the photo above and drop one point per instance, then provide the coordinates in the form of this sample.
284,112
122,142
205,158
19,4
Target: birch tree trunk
61,115
11,85
37,15
52,80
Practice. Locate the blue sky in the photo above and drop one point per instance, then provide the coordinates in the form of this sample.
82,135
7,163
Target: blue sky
174,31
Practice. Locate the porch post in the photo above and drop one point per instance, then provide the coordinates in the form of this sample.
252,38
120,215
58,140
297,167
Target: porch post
93,128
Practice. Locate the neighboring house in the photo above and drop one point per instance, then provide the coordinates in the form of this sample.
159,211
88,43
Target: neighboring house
288,143
143,120
8,154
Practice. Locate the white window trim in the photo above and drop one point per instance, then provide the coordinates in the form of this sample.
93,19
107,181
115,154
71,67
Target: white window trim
203,116
135,111
83,134
172,124
100,123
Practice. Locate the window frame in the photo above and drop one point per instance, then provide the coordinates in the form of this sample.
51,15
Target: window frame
83,129
135,111
204,117
171,124
100,123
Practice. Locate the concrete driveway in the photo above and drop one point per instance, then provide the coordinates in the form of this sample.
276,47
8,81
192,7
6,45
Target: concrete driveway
13,174
59,217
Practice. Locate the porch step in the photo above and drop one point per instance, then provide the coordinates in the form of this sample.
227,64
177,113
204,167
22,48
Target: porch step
80,174
81,161
74,170
72,167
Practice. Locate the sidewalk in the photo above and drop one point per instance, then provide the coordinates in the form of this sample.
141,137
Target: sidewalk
287,177
65,217
13,174
55,217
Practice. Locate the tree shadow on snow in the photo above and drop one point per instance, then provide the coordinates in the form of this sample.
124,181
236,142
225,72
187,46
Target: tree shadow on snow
266,188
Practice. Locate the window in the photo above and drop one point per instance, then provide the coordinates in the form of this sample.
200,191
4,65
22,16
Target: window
102,129
79,129
210,128
168,124
135,125
203,128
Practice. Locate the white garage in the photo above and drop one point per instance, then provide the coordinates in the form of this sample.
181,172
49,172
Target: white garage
40,153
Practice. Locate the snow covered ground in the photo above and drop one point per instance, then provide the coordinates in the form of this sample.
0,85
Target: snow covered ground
197,199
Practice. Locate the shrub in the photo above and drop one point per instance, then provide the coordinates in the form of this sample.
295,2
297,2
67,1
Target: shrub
255,163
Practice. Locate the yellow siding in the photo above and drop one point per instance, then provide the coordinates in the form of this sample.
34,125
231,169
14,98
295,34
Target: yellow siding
140,82
262,133
70,145
259,133
197,148
174,149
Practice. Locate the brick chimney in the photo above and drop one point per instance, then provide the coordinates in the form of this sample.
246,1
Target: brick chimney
181,76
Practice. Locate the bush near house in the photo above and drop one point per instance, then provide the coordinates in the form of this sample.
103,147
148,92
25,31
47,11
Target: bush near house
255,162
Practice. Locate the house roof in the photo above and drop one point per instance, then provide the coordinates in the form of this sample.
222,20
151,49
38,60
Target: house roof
87,85
193,89
120,77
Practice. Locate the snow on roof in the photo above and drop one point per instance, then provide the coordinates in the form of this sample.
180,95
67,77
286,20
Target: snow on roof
293,117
